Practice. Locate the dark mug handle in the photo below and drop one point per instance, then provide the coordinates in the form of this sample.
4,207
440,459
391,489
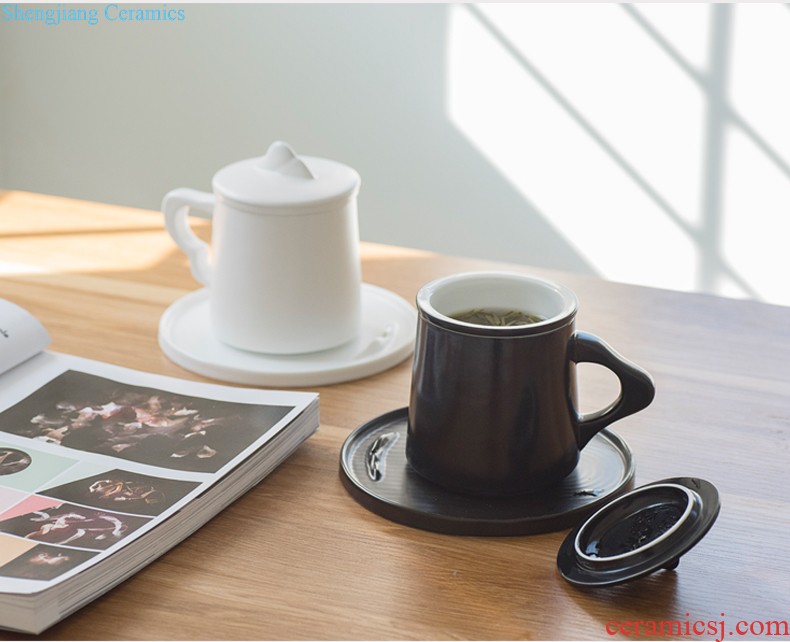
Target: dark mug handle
636,385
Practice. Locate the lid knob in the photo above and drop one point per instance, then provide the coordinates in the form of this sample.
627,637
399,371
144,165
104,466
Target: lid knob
280,158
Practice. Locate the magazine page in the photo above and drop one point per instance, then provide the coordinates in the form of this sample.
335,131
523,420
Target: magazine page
21,335
93,456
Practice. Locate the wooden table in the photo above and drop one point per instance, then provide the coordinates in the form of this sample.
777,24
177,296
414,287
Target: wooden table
297,558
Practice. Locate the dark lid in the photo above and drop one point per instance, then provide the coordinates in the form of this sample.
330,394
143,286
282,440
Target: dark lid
640,532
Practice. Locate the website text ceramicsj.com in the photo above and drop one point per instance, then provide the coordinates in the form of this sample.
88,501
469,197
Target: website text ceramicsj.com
717,629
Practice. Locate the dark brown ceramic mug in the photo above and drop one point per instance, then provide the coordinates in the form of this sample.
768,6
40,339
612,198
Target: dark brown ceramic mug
493,407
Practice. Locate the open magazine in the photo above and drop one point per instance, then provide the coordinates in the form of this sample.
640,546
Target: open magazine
103,469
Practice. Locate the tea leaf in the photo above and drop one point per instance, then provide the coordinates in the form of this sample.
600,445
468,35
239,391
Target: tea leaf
497,317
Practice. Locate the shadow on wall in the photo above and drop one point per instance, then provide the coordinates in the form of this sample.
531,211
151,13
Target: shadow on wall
620,125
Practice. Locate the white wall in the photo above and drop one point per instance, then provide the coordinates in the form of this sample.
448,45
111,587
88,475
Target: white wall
647,144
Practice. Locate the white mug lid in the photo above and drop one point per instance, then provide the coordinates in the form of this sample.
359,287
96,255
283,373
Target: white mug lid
282,179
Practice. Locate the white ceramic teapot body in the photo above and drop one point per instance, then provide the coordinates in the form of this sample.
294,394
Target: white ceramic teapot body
283,270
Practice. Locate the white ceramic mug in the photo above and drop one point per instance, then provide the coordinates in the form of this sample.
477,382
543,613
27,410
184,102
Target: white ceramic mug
283,270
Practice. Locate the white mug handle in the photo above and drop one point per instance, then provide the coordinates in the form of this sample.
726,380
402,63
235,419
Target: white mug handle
176,207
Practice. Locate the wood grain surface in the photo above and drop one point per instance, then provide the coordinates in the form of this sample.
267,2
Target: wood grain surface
297,558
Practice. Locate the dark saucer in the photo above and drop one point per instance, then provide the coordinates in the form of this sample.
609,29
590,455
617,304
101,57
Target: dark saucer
374,470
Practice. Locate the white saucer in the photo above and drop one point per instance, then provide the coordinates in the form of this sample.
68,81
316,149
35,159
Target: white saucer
389,326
